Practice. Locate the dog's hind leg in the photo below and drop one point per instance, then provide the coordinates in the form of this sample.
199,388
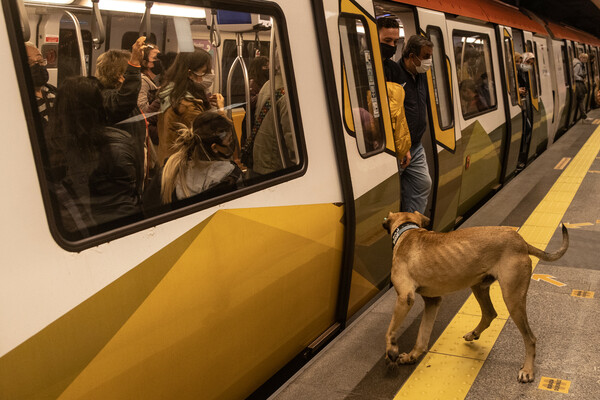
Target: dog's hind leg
481,292
432,306
514,291
404,302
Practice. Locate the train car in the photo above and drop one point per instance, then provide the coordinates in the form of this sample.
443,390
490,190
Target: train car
220,295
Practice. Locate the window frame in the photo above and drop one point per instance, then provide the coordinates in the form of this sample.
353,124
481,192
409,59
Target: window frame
36,133
344,75
534,72
458,81
514,99
446,80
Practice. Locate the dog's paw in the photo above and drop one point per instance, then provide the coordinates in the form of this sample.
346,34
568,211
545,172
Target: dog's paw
525,376
406,359
469,337
391,355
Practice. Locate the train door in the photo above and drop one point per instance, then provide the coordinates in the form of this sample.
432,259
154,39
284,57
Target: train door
480,116
512,103
545,97
571,54
444,156
561,87
369,147
590,76
537,133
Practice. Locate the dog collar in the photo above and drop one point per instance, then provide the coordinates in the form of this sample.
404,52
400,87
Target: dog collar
407,226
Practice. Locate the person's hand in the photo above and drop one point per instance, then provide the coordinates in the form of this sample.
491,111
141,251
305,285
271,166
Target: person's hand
406,160
137,51
522,91
217,101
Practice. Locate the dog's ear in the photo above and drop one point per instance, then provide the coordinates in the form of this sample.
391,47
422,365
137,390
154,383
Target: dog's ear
424,220
387,222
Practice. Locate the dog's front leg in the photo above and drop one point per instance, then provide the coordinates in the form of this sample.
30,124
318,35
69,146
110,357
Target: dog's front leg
404,303
432,305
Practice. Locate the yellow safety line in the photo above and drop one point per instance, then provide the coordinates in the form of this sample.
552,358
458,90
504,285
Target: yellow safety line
449,369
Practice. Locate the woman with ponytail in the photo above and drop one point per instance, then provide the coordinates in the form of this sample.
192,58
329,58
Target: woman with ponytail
201,159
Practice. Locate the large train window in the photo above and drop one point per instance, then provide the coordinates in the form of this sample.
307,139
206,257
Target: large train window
161,131
362,91
440,76
510,70
475,73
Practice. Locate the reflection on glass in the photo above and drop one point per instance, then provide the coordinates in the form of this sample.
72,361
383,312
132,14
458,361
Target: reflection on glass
362,89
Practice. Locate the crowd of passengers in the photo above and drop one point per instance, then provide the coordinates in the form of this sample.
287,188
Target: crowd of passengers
138,137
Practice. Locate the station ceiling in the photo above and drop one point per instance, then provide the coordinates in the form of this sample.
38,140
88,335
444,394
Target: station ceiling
581,14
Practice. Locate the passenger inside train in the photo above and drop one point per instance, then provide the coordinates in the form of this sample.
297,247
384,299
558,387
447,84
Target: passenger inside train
155,129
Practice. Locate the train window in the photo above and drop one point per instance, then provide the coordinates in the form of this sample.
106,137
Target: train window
362,86
136,146
510,70
440,76
475,73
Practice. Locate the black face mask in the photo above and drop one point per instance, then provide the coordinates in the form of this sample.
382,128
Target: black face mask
39,74
158,68
387,51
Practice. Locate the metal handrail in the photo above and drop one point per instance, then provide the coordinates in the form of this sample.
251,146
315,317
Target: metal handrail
145,24
273,98
240,60
215,42
97,25
24,21
79,42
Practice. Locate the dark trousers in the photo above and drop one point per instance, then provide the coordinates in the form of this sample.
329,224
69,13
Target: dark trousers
580,92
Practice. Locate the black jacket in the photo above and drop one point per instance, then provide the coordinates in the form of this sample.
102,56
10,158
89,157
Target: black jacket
123,113
415,102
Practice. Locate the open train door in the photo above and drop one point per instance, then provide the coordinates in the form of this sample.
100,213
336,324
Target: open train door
538,132
514,115
361,96
440,144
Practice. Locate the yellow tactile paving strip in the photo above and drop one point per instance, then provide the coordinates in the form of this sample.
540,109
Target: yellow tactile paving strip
449,369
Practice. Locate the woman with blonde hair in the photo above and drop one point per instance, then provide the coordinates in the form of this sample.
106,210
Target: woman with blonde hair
201,159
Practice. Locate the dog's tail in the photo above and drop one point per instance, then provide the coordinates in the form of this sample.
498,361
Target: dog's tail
542,255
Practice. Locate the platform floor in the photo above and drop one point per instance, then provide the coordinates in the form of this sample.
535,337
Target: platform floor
563,184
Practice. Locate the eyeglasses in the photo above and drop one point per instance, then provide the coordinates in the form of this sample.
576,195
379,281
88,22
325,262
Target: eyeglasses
201,75
40,61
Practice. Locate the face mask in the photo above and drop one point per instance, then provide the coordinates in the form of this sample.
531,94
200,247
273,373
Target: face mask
424,67
207,81
387,51
526,67
158,68
39,74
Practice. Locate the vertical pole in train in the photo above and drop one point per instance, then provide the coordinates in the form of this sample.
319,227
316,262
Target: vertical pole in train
240,59
215,42
24,21
272,85
79,42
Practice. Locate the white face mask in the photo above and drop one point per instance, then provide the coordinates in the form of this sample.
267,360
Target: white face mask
207,81
526,67
425,65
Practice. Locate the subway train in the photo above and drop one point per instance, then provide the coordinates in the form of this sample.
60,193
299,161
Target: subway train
224,294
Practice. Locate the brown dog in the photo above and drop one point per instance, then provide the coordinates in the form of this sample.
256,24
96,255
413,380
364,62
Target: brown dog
434,264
